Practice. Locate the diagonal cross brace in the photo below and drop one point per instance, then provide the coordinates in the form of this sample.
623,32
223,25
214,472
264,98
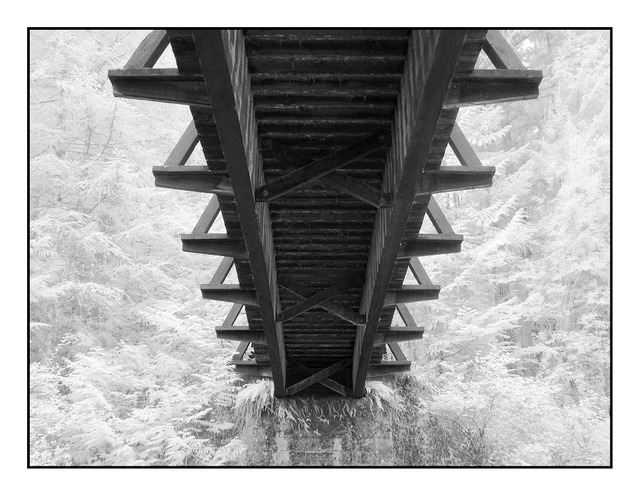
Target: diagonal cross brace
318,376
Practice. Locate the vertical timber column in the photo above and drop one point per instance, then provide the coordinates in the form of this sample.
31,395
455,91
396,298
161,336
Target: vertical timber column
432,57
226,73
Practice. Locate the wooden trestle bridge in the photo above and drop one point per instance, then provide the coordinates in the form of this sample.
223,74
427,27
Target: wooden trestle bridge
323,150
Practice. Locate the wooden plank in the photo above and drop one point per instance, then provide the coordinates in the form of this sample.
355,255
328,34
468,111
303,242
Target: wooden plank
462,148
331,307
222,271
185,146
159,85
208,217
430,244
500,52
240,333
229,292
412,294
397,334
225,69
214,244
319,297
318,376
319,168
455,178
192,178
149,50
437,217
431,62
415,265
328,383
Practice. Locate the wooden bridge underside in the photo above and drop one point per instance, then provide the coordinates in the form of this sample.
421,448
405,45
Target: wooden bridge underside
323,150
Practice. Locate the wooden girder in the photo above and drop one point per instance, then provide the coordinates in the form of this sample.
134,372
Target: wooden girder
476,88
224,66
455,178
232,293
430,244
431,61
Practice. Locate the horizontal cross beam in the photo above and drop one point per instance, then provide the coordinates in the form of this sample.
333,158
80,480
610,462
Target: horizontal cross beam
412,294
430,244
192,178
319,168
214,244
252,368
319,298
229,292
455,178
387,368
476,88
240,333
398,334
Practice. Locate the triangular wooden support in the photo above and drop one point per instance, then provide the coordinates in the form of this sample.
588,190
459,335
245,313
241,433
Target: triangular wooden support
185,146
208,216
149,50
500,52
328,383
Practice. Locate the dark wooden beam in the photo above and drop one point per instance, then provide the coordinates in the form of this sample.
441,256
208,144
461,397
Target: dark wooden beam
319,298
500,52
412,294
319,168
149,50
240,333
387,368
493,86
233,314
185,146
331,307
430,244
455,178
159,85
405,315
222,271
328,383
437,217
397,334
431,61
241,350
419,273
229,292
192,178
251,368
225,68
214,244
397,352
208,216
318,376
462,148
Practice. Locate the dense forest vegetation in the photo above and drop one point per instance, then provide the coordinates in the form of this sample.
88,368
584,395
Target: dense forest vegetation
125,368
